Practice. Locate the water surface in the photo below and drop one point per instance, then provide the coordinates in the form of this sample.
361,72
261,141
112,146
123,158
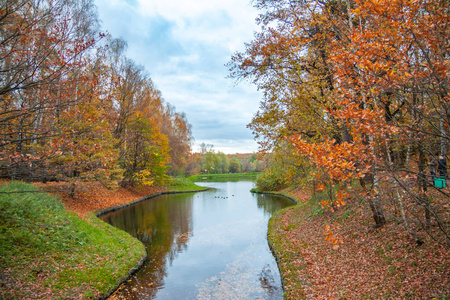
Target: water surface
208,245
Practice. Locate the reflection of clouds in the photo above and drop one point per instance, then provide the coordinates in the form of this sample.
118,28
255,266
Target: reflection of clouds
225,233
222,253
215,236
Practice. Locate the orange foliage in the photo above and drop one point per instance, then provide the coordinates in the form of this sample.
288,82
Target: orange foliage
91,196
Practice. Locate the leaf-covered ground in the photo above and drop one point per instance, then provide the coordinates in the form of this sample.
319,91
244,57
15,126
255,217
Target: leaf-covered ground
90,196
371,263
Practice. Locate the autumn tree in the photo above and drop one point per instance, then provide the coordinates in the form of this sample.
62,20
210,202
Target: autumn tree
394,79
235,165
360,88
178,130
290,61
136,109
146,155
74,107
42,44
194,166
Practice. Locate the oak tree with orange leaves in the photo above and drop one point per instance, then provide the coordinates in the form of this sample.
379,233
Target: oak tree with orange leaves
360,89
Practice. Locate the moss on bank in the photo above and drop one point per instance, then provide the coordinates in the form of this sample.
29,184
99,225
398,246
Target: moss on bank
281,246
47,252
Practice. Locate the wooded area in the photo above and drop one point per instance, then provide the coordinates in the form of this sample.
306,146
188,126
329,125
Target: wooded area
353,89
356,89
209,161
74,107
354,125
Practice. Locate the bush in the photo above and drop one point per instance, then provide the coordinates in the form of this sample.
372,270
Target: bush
271,180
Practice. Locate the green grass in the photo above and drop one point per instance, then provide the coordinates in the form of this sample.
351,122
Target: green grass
283,251
48,253
179,184
223,177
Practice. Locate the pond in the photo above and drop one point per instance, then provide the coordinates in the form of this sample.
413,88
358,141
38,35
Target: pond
206,245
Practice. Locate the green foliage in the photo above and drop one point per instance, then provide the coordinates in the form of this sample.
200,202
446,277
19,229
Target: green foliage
223,162
215,163
271,180
223,177
235,165
211,163
285,168
182,184
44,249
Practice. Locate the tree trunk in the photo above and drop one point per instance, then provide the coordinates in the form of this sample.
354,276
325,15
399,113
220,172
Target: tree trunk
422,185
375,202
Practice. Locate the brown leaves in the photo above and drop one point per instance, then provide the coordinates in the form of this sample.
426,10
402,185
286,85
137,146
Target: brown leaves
91,196
333,237
360,261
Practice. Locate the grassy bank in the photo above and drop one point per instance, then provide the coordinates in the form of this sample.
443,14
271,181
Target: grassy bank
223,177
52,249
49,253
177,184
366,263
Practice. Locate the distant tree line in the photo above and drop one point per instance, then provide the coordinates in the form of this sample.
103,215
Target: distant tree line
73,106
208,161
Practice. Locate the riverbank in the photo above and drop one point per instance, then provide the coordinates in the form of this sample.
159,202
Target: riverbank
91,196
223,177
58,249
358,261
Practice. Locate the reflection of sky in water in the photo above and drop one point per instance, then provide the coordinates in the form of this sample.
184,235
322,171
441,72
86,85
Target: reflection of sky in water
209,245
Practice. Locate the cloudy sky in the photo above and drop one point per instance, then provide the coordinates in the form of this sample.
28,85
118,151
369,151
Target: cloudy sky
184,45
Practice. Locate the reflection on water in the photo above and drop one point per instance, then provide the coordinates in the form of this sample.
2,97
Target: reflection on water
268,281
209,245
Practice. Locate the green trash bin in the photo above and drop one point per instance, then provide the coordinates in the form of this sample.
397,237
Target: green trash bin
439,182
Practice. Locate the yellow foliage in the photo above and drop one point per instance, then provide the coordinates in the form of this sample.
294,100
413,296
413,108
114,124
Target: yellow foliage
145,177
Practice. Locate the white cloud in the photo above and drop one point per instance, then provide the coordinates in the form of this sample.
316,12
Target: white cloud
184,46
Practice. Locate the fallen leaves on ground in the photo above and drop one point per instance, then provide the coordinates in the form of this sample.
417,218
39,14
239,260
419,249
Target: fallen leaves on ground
377,263
89,196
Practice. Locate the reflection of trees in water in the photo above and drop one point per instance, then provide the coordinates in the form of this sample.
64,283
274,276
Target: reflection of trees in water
267,280
164,226
271,203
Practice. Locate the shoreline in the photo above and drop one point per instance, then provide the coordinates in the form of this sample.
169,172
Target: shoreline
78,256
365,262
275,251
104,211
101,212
